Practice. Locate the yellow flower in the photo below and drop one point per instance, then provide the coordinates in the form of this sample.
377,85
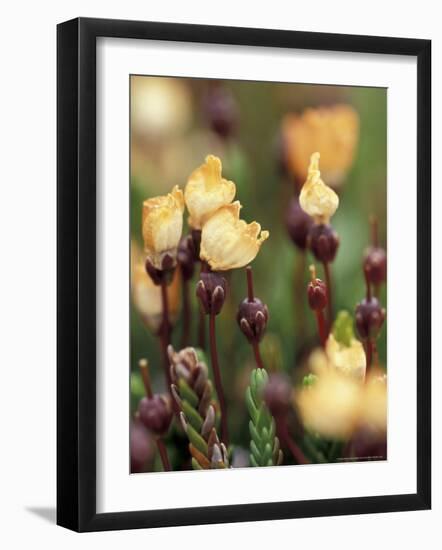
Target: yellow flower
146,295
349,360
228,242
331,405
332,130
206,191
316,198
340,401
162,225
374,403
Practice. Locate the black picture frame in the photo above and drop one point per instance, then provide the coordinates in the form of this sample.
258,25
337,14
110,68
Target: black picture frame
76,273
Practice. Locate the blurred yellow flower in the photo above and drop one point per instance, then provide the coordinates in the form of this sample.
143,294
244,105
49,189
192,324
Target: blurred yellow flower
374,403
160,107
162,225
206,191
317,199
228,242
331,405
334,131
146,295
340,401
349,360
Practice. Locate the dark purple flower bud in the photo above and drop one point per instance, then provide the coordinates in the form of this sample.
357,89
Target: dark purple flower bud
221,111
155,413
323,241
252,319
317,294
211,291
375,265
298,223
278,394
163,274
141,447
186,257
369,317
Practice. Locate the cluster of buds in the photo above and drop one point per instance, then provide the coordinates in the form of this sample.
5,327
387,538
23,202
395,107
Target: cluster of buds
253,314
192,391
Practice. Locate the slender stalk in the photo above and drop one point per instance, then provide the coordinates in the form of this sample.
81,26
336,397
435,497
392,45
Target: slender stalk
257,353
289,442
164,334
163,454
143,365
217,379
250,293
374,231
322,326
328,282
299,290
369,355
202,328
145,375
186,315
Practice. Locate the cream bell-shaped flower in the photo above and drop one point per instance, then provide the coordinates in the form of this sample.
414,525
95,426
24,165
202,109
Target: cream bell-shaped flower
331,405
162,225
349,360
317,199
228,242
206,191
146,296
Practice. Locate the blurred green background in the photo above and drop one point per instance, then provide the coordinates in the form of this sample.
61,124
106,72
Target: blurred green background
171,135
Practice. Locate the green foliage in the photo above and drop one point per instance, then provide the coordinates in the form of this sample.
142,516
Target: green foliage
343,328
264,445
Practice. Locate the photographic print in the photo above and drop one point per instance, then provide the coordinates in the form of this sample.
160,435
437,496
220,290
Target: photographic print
258,274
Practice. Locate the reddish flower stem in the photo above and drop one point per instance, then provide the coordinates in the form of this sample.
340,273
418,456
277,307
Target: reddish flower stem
202,328
257,353
288,441
250,293
368,355
164,333
145,375
322,326
186,315
163,454
328,282
374,231
217,379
